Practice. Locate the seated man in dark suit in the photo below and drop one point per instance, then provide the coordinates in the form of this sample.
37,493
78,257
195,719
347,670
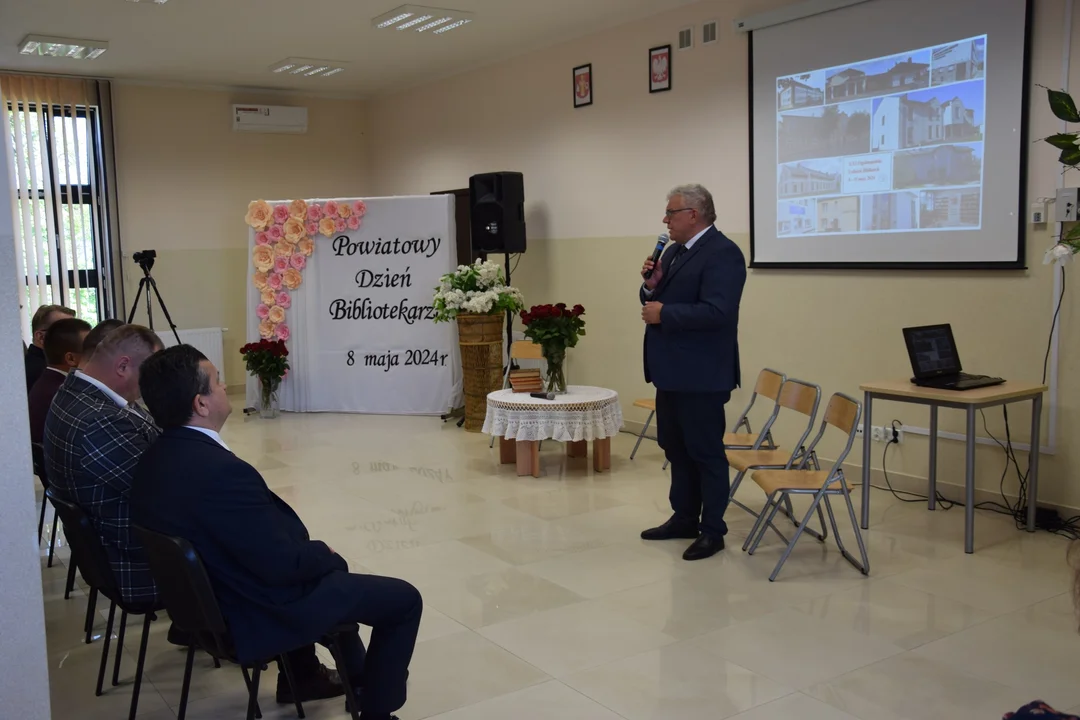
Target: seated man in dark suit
34,359
92,442
277,588
63,351
95,336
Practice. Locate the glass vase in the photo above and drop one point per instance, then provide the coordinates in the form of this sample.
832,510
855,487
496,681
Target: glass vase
269,404
556,377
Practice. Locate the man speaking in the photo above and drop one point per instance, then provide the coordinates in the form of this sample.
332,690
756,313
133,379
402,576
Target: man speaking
690,307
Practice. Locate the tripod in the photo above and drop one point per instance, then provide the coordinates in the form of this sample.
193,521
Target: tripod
147,283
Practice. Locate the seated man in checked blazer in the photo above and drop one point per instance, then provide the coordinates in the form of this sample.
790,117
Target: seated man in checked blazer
93,440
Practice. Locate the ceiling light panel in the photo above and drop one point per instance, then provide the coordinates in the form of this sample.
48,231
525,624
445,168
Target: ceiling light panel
308,68
429,20
68,48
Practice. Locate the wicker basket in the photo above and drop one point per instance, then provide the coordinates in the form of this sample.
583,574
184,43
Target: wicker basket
481,339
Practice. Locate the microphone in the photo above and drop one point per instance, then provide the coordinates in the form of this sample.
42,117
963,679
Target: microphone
543,396
661,243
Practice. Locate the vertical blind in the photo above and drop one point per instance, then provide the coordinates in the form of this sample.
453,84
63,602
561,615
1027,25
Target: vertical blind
59,202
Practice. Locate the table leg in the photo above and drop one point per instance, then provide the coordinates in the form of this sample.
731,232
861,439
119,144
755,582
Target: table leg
868,400
931,502
969,484
507,451
528,458
601,452
578,449
1033,462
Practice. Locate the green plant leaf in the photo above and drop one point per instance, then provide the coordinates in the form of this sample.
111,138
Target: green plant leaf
1062,141
1072,235
1070,156
1062,105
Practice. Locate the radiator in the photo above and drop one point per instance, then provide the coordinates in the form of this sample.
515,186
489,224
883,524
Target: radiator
208,341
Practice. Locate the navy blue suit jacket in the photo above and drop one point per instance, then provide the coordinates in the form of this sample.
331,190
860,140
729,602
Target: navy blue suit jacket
695,348
278,589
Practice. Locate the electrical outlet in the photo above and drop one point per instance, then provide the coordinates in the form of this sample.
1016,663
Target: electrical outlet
1066,204
859,431
877,434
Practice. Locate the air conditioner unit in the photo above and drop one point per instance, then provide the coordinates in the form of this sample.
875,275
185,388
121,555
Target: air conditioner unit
270,119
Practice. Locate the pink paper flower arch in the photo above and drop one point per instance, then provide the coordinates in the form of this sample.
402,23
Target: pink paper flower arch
284,240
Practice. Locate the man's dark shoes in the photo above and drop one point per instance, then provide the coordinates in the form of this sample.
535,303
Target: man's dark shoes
318,684
705,546
674,529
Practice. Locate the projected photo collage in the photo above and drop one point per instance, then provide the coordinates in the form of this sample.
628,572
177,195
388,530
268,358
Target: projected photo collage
892,144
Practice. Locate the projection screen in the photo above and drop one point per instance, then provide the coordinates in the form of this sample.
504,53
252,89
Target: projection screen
891,133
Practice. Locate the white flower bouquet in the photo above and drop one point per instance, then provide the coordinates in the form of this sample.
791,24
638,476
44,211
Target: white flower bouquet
480,289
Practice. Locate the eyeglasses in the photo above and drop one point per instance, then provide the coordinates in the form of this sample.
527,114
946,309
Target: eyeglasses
669,213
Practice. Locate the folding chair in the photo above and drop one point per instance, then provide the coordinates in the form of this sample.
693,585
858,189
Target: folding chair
768,385
795,395
519,350
842,413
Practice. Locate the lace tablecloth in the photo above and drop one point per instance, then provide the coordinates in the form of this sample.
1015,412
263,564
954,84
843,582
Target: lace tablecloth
583,413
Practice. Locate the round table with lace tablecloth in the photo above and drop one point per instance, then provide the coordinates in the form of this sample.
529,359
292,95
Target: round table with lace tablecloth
579,415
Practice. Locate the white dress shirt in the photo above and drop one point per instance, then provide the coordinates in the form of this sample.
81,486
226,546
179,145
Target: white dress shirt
210,434
120,402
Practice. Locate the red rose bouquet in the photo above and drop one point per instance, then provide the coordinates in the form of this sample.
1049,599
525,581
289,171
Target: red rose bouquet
268,361
554,328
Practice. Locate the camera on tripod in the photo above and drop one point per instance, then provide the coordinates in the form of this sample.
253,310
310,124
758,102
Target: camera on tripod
145,259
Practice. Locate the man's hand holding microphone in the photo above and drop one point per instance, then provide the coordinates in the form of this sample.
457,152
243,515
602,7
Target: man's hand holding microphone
653,273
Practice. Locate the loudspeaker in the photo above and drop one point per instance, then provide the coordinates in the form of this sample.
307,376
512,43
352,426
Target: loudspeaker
497,203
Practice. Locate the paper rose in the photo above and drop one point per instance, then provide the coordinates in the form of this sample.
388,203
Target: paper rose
260,281
359,208
281,332
275,233
282,249
263,257
281,214
259,214
331,208
284,299
312,227
326,226
344,210
261,238
292,278
276,314
266,329
294,230
339,225
298,209
314,213
306,246
353,223
273,281
281,264
298,261
267,297
262,311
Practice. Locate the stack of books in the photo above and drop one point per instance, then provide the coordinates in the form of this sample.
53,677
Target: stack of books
526,381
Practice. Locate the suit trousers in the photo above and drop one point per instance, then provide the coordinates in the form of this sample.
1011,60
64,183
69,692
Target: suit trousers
690,428
392,609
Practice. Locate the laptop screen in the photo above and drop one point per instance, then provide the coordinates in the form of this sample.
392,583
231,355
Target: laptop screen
932,351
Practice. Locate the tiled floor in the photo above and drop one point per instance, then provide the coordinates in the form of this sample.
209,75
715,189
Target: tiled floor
541,601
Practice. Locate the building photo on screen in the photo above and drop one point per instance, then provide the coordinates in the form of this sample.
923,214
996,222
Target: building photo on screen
883,145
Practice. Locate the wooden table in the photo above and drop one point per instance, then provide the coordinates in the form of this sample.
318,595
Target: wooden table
969,401
580,415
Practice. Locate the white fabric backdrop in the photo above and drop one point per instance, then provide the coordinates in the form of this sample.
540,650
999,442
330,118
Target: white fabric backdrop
421,230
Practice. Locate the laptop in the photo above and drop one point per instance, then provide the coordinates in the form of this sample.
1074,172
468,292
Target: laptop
935,362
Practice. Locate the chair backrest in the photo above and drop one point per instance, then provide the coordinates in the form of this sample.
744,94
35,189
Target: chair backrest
86,547
185,589
843,412
526,350
801,397
37,458
768,385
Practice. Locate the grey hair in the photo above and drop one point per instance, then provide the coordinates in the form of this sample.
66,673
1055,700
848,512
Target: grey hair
697,197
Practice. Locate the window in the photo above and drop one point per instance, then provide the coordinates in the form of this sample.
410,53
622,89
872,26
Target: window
61,219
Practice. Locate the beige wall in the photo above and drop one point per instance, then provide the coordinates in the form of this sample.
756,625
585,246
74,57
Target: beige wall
185,179
595,183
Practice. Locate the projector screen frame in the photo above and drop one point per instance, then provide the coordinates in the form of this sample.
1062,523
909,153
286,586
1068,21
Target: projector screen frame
1018,263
